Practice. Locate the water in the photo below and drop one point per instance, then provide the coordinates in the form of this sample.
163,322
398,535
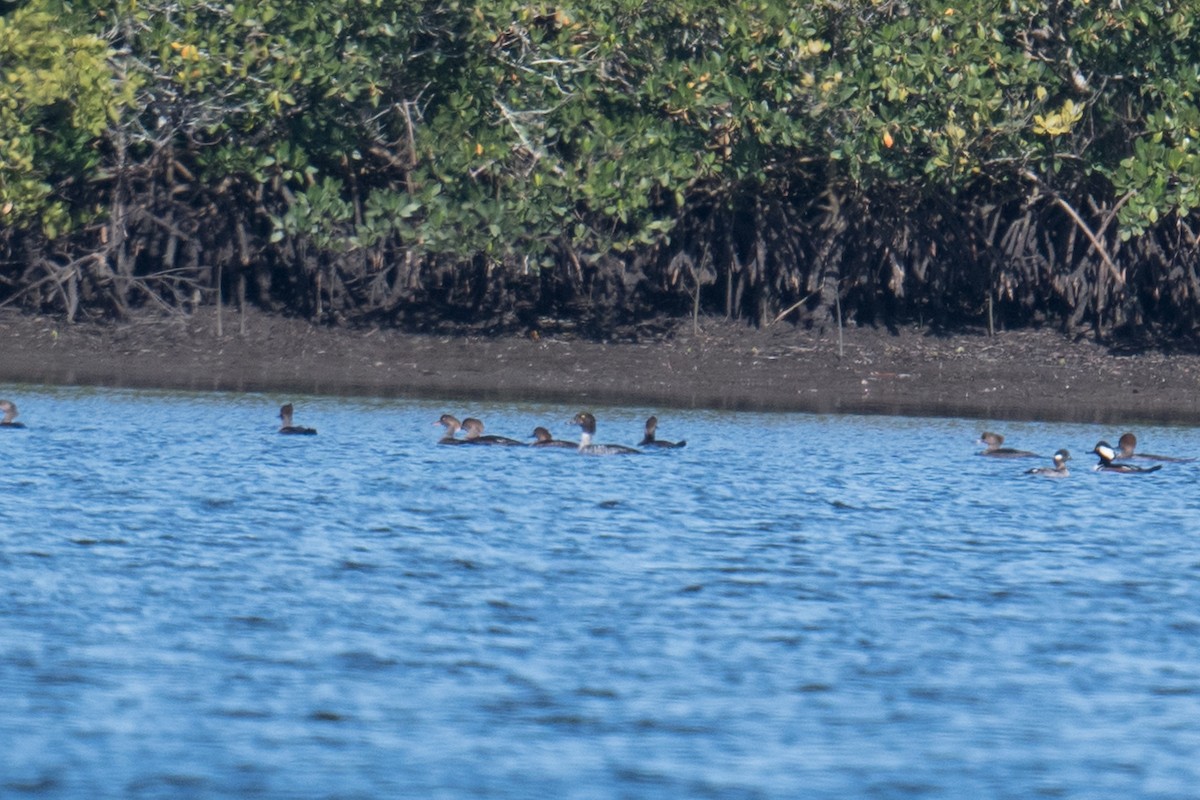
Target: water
792,606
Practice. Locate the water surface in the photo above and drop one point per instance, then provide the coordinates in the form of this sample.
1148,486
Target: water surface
791,606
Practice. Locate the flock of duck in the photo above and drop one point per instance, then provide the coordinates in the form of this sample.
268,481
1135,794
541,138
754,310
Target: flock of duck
1111,459
472,430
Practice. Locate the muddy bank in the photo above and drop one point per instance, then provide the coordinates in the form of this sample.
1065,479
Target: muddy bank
1014,375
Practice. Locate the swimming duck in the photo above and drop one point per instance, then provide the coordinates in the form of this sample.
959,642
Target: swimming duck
993,442
10,413
649,441
1106,464
1059,470
1127,446
544,439
285,415
588,423
452,426
473,428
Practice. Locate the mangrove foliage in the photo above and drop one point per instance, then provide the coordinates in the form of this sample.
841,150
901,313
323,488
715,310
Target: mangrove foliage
506,165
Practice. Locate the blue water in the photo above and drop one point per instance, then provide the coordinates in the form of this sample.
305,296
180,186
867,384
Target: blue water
793,606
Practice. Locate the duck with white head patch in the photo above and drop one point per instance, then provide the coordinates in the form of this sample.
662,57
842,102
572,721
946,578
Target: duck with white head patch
1107,464
1059,470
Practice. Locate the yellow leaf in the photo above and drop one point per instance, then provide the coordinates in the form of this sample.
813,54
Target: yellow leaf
1060,122
888,141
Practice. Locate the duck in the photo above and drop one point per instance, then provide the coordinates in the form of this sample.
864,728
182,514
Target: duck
1106,464
649,441
473,428
285,415
544,439
587,423
452,426
10,414
1059,470
993,442
1127,447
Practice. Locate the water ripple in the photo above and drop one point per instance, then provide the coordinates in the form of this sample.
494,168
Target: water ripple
793,605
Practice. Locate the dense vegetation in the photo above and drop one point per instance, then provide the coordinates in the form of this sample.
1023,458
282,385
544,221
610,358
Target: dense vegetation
504,164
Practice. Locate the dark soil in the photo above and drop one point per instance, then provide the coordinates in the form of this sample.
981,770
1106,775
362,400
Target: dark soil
1031,374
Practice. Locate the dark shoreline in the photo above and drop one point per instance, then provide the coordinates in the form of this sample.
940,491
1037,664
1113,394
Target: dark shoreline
1022,375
